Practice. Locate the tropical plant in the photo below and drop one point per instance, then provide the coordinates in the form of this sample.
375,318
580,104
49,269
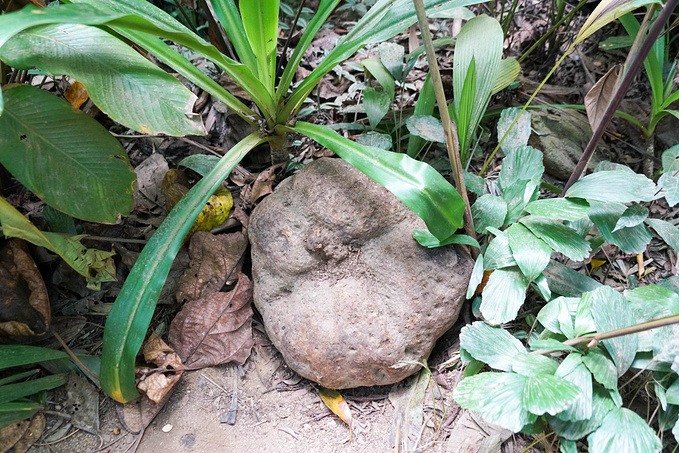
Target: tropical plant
83,35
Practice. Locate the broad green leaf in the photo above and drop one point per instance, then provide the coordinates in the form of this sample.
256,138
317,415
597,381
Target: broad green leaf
483,56
558,236
648,303
200,163
670,159
392,55
667,231
426,239
476,277
95,265
567,446
491,345
131,314
559,208
488,210
606,12
498,397
541,285
474,183
573,370
19,355
125,85
498,255
556,315
521,164
416,184
260,21
532,364
427,127
503,295
611,311
376,139
601,405
568,282
228,15
602,367
672,393
613,186
424,106
448,12
630,240
530,253
544,393
517,196
507,73
666,346
584,322
377,104
64,157
633,216
377,69
669,184
11,392
519,134
623,430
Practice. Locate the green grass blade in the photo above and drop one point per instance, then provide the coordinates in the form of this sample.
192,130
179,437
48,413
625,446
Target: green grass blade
227,14
426,101
260,21
19,355
11,392
131,314
415,183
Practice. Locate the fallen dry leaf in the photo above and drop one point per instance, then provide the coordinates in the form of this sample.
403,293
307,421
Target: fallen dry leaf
598,98
214,258
82,402
31,435
337,404
11,434
24,303
263,185
157,383
76,94
216,328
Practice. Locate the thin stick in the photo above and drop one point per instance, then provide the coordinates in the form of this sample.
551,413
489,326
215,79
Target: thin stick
77,361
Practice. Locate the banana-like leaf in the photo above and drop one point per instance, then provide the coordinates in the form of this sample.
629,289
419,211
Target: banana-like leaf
125,85
43,138
228,15
131,314
606,12
507,72
260,21
415,183
426,100
486,55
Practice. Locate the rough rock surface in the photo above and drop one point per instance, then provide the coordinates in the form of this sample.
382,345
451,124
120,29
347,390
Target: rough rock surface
347,295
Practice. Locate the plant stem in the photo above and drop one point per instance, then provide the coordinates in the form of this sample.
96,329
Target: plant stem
628,77
593,340
449,129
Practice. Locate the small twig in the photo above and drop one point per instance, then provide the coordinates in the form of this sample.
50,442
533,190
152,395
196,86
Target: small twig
110,239
77,361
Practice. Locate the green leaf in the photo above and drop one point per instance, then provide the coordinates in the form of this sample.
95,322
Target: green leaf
667,231
476,277
17,411
568,282
131,314
601,405
416,184
519,134
474,183
573,370
376,139
377,69
611,311
377,104
551,344
64,157
584,322
426,101
633,216
227,14
260,21
669,184
602,368
491,345
672,393
545,393
483,56
648,303
125,85
503,295
426,239
507,73
630,240
670,159
613,186
498,397
19,355
200,163
95,265
623,430
426,127
517,196
521,164
558,236
556,316
11,392
488,210
392,55
498,254
532,364
530,253
559,208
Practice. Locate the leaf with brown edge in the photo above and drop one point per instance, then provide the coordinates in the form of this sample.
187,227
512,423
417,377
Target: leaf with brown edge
24,303
215,258
215,329
600,96
337,404
157,384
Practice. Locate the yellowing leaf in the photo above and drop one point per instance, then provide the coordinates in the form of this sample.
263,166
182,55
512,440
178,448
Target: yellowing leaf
337,404
606,12
76,94
597,263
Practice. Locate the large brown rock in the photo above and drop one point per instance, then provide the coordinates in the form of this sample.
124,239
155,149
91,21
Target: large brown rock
347,295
